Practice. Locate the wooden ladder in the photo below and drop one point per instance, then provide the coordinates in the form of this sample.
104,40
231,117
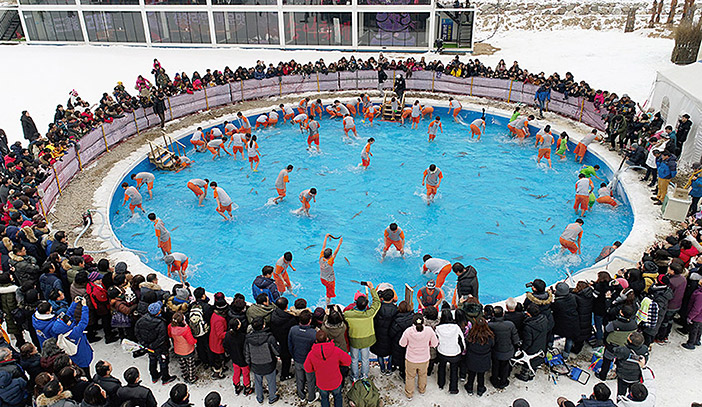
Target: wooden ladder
166,158
387,105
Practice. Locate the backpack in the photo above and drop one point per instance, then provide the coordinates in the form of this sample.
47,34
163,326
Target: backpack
196,321
363,393
258,290
98,298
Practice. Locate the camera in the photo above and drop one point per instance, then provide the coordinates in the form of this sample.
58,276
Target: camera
529,284
364,283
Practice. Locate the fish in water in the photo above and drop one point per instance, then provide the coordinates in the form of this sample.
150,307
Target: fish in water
310,246
137,234
347,260
402,164
275,162
457,258
541,196
170,185
542,232
251,190
523,224
402,213
552,226
304,169
175,228
247,175
482,258
264,178
548,219
357,213
483,166
369,204
462,153
519,178
366,193
443,154
492,233
597,236
525,188
478,174
331,189
321,174
497,223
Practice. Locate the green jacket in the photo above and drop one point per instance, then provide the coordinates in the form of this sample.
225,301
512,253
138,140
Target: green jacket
361,330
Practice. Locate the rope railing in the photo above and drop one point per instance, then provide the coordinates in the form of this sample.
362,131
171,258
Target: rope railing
98,141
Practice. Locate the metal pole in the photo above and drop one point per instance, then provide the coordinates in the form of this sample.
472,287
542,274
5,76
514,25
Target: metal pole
41,205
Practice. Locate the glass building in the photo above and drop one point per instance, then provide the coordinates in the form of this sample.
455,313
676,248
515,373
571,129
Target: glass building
292,24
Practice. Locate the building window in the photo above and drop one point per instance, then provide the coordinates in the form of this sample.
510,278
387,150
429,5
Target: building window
246,28
53,26
110,2
328,29
244,2
393,2
175,2
35,2
393,29
179,27
114,26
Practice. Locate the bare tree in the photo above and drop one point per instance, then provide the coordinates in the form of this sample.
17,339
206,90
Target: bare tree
671,14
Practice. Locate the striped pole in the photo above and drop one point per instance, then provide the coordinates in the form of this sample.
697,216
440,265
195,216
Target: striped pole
41,205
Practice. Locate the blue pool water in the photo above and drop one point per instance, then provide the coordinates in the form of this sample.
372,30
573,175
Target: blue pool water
488,186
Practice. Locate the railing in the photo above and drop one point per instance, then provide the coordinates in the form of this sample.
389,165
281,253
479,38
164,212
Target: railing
99,140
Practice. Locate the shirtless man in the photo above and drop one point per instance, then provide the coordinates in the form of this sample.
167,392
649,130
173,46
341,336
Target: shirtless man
305,197
199,188
131,194
145,178
432,178
163,236
280,183
394,236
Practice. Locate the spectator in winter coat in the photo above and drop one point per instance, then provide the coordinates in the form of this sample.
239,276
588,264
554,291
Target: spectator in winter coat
616,334
336,328
382,321
542,95
682,130
506,341
28,127
30,361
694,318
234,347
8,302
324,362
151,333
667,170
640,394
450,349
74,332
300,341
362,332
265,284
584,299
260,352
600,397
183,346
218,330
402,321
565,316
103,377
261,309
281,322
26,269
417,340
534,338
677,282
543,299
13,391
49,280
178,397
202,305
466,282
628,360
53,395
134,392
479,344
514,313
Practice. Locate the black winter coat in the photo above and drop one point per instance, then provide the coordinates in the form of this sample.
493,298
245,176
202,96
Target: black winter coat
517,319
628,369
401,322
479,357
234,346
152,333
137,394
260,351
565,316
535,334
382,322
467,283
506,338
600,303
544,301
111,385
29,128
585,299
281,322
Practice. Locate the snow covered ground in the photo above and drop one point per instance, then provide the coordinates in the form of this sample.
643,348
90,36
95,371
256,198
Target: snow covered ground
40,77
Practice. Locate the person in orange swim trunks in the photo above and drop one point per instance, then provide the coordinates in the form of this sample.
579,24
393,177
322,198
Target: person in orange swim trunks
313,137
394,236
132,194
224,202
302,120
177,263
440,267
519,127
305,197
280,275
371,112
456,107
316,108
349,125
416,114
288,112
583,188
434,128
302,106
199,188
366,153
544,141
261,121
406,113
145,178
163,236
245,125
605,196
280,183
215,145
428,110
326,267
273,118
432,178
198,140
572,235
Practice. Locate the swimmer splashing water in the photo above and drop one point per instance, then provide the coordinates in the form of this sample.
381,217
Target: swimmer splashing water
394,236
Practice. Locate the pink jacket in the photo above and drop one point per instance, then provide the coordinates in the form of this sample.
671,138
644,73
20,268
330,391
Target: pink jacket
183,340
418,344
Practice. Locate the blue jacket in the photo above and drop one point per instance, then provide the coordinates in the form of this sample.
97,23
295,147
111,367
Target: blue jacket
13,392
300,341
667,169
59,307
265,285
696,190
84,355
543,94
48,282
44,325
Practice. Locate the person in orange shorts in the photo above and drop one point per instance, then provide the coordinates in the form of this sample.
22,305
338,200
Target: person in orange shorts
302,106
428,110
434,128
261,121
313,137
132,194
519,127
429,296
406,113
305,197
583,188
273,118
198,140
477,127
182,163
177,263
215,145
544,141
456,106
146,178
605,196
582,146
229,129
416,114
237,144
440,267
572,235
366,153
316,108
163,236
224,202
288,112
394,236
352,106
199,188
280,275
341,109
371,112
326,267
280,183
432,178
214,133
252,152
349,125
302,120
245,125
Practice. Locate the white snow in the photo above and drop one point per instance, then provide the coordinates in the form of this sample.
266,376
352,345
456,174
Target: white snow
43,75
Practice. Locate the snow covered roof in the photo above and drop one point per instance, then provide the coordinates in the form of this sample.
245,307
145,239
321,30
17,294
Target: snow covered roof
686,79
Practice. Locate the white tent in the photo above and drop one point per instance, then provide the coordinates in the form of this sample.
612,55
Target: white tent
677,91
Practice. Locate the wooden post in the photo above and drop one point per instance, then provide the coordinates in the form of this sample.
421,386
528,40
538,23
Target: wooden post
630,20
317,73
58,184
135,122
671,14
433,75
653,14
509,95
582,107
104,138
471,86
280,86
231,97
659,11
41,205
170,111
80,163
241,81
207,103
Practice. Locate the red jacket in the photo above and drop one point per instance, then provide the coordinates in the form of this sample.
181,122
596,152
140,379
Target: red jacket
218,329
324,360
183,340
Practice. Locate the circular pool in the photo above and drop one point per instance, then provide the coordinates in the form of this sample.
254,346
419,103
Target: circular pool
496,209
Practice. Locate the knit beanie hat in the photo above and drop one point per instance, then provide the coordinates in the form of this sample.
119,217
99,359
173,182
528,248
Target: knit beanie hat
155,308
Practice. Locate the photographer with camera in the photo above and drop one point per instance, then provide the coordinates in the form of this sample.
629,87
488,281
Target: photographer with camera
71,335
